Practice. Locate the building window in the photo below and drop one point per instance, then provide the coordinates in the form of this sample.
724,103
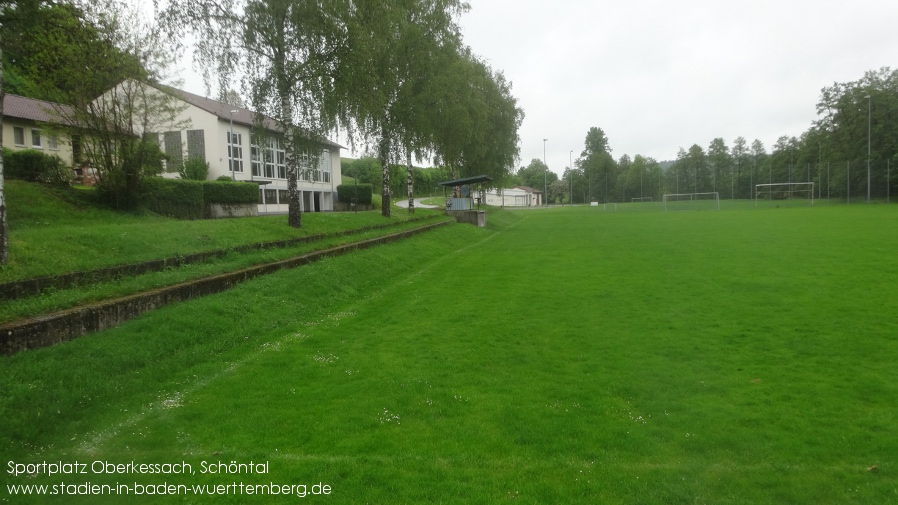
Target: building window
235,151
324,167
19,134
271,196
36,139
268,156
173,151
281,159
255,161
53,143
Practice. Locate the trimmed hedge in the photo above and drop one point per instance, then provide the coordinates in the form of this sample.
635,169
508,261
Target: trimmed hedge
34,166
174,197
230,193
358,193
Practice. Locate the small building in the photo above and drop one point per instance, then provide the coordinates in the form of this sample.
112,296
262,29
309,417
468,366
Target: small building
519,196
25,126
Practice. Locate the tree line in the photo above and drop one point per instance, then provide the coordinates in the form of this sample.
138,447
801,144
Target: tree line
394,75
857,123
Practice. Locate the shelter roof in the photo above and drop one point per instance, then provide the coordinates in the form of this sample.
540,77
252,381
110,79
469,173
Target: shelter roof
467,180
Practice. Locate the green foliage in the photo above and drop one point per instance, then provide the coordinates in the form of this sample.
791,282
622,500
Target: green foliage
178,198
194,169
355,193
34,166
224,178
230,193
536,175
59,51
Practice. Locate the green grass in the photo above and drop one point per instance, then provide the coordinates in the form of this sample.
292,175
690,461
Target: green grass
58,231
560,356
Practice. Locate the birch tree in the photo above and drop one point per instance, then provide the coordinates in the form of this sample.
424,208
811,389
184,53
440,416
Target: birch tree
4,227
387,51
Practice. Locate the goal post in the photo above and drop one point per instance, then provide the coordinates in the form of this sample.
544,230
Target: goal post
692,201
641,199
785,191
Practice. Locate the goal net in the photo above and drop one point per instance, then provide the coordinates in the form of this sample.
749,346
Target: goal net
692,201
785,191
641,199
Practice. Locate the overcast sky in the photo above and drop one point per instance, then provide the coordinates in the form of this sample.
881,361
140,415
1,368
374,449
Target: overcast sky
657,75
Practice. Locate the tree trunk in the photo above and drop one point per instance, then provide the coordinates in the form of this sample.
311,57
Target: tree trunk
384,153
4,229
410,182
294,206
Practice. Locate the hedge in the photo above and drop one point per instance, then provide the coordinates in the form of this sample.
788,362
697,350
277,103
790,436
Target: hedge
174,197
355,193
34,166
230,193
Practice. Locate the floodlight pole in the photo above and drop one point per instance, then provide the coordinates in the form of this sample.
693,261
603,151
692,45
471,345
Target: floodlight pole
868,146
571,174
545,176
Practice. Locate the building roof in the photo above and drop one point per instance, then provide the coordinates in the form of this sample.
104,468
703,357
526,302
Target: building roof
528,189
35,110
222,110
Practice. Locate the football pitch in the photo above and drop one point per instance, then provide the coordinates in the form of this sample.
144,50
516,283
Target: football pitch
566,355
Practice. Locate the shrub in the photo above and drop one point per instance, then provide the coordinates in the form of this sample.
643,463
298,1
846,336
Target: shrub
357,193
224,178
230,193
177,198
34,166
195,169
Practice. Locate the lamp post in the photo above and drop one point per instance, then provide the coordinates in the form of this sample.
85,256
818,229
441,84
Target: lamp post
545,175
868,147
231,145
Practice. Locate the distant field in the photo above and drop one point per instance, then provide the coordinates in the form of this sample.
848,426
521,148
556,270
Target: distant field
568,355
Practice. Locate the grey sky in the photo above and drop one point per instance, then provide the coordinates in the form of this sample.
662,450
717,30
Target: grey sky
657,75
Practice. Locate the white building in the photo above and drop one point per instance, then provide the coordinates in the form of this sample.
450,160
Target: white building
229,140
520,196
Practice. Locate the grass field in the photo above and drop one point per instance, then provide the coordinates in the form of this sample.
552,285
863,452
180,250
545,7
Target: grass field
567,355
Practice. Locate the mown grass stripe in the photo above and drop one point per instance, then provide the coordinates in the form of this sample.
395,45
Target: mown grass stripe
73,323
14,290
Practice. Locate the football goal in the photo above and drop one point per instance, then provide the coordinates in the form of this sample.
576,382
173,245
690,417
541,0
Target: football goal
641,199
692,201
785,191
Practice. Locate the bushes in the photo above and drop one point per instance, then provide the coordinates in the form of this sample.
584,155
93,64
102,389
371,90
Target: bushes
195,169
34,166
174,197
230,193
357,193
185,199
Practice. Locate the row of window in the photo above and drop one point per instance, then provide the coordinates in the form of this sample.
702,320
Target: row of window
268,160
37,139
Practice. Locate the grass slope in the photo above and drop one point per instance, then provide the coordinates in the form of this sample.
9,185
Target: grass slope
562,356
59,231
